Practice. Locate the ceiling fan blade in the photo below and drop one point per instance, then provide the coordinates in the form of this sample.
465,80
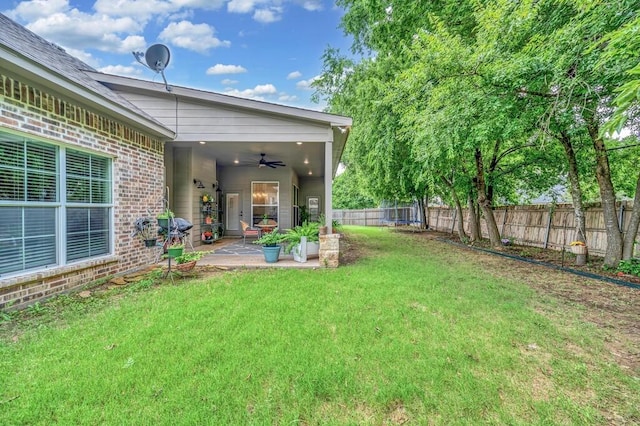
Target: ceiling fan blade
271,165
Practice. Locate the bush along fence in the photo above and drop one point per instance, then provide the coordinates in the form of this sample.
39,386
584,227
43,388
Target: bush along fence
546,226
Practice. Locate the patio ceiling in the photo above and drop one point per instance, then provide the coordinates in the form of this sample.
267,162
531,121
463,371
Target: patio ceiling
247,154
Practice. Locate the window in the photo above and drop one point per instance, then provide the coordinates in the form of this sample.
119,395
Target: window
42,225
265,199
88,197
295,208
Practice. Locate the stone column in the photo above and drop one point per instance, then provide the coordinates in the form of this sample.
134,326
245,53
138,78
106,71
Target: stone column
329,250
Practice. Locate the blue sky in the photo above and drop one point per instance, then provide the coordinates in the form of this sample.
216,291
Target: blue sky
260,49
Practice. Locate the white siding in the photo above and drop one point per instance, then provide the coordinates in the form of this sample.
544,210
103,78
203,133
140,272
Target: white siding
193,122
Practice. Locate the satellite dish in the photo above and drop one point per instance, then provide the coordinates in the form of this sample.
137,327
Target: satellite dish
157,58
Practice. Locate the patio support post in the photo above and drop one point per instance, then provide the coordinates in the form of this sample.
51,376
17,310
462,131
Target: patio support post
328,182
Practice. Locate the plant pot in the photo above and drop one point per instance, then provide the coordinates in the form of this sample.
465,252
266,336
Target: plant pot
300,250
313,249
579,249
163,223
322,230
150,243
175,252
271,253
184,267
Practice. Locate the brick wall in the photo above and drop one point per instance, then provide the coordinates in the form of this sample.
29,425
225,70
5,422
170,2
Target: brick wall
138,182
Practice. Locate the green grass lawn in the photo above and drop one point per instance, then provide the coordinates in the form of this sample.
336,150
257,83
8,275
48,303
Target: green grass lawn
411,333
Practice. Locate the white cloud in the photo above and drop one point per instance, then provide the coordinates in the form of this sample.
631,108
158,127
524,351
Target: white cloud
229,82
132,43
196,37
77,30
145,9
218,69
287,98
242,6
121,70
312,5
36,9
267,16
257,92
293,75
306,84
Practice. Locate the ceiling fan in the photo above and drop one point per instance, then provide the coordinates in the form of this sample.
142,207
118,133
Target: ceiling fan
272,164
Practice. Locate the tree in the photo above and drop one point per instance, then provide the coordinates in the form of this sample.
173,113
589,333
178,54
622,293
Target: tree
348,193
474,91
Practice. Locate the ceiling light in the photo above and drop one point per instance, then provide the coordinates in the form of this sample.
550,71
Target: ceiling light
306,161
236,161
202,142
298,143
310,172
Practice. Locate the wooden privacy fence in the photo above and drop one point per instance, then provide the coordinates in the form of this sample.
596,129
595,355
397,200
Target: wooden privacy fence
545,226
361,217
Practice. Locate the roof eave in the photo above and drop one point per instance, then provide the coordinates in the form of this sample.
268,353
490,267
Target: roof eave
120,82
27,69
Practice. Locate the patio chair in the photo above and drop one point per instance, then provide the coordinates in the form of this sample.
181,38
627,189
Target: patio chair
248,231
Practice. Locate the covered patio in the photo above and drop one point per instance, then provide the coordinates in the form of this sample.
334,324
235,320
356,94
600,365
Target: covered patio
233,254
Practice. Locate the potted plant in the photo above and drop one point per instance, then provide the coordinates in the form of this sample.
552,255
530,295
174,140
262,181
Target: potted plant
270,243
163,218
143,228
175,250
322,224
187,261
309,233
207,237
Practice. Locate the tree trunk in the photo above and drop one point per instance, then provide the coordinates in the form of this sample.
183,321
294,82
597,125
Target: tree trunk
613,252
474,226
634,223
461,234
576,190
425,211
484,203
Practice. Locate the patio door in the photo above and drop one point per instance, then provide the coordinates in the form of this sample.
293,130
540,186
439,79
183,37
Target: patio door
233,211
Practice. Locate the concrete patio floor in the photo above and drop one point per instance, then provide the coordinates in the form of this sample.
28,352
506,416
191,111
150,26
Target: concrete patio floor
232,253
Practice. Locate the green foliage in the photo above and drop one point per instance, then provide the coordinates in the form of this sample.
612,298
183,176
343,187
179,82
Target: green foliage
166,214
630,266
349,192
272,238
186,257
293,236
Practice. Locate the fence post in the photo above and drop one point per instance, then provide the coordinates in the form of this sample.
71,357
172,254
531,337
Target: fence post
438,217
546,235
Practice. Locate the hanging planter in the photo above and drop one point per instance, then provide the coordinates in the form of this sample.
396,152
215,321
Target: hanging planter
150,243
175,250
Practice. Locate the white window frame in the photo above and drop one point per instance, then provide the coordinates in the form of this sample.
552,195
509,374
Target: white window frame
254,219
60,206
